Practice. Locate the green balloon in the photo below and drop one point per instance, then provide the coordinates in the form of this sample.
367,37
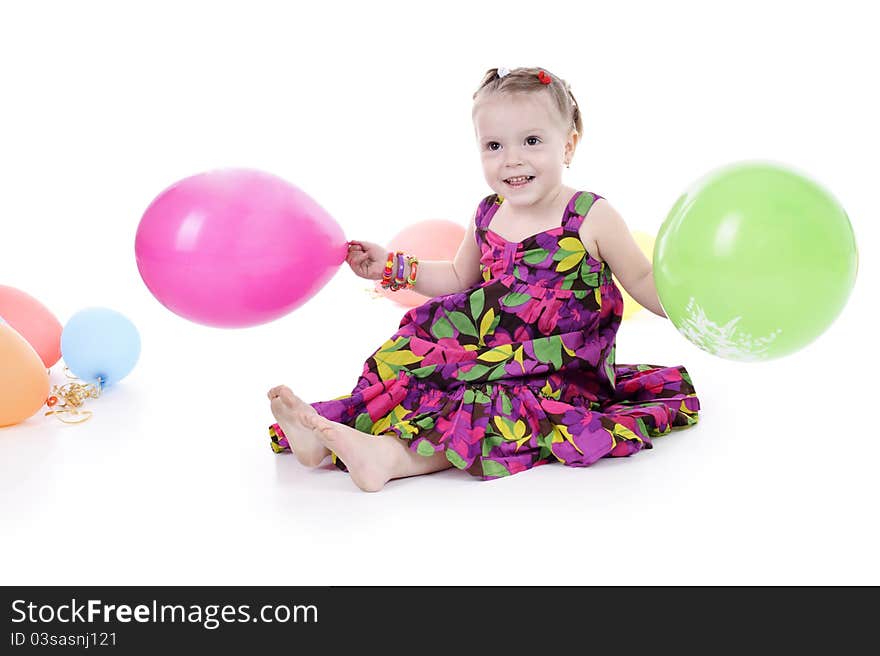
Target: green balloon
754,262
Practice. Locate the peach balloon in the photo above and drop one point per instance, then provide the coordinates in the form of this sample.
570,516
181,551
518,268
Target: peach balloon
433,239
33,321
24,381
646,244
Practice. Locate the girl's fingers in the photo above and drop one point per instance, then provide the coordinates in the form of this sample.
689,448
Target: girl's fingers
362,259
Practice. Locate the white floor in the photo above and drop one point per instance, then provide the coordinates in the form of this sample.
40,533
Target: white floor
173,482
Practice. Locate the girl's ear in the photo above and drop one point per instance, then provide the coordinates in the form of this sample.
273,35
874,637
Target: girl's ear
571,144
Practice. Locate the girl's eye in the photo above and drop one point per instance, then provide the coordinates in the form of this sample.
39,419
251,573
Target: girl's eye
529,140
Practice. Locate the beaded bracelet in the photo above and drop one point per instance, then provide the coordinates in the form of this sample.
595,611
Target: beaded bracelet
413,271
393,275
399,279
386,274
392,272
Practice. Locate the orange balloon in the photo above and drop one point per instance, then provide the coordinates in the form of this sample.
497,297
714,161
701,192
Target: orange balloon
24,381
433,239
33,321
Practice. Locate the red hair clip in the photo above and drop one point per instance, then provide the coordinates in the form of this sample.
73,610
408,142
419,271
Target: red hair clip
545,79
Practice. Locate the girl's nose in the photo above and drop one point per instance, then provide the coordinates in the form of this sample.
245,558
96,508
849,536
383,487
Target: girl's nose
514,158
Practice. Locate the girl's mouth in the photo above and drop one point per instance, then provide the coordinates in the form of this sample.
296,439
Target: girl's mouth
519,181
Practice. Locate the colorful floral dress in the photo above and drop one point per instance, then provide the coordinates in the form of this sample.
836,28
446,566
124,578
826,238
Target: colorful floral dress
518,370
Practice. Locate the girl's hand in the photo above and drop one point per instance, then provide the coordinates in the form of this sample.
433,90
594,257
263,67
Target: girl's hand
366,259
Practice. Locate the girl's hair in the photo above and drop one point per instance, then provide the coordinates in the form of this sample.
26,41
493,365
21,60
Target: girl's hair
525,80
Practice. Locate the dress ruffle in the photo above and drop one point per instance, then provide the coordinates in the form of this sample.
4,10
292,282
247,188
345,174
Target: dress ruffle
494,430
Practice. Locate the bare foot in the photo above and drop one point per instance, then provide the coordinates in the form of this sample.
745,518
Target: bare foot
370,459
291,413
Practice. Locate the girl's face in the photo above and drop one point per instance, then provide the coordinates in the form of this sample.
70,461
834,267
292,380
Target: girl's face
522,135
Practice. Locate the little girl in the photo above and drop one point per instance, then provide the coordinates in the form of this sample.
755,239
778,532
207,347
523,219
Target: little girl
510,364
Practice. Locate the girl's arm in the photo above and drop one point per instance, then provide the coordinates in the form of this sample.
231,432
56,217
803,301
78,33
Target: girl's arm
623,255
434,277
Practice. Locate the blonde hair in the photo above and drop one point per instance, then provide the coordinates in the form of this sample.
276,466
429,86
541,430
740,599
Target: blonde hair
525,80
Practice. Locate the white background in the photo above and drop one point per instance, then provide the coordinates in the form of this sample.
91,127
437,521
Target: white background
366,106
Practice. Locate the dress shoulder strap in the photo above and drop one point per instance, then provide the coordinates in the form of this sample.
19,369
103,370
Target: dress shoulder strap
483,217
578,208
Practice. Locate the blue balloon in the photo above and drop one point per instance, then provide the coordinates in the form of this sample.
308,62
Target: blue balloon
99,343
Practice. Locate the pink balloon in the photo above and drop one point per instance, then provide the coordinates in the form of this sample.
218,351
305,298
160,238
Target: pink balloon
236,247
33,321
